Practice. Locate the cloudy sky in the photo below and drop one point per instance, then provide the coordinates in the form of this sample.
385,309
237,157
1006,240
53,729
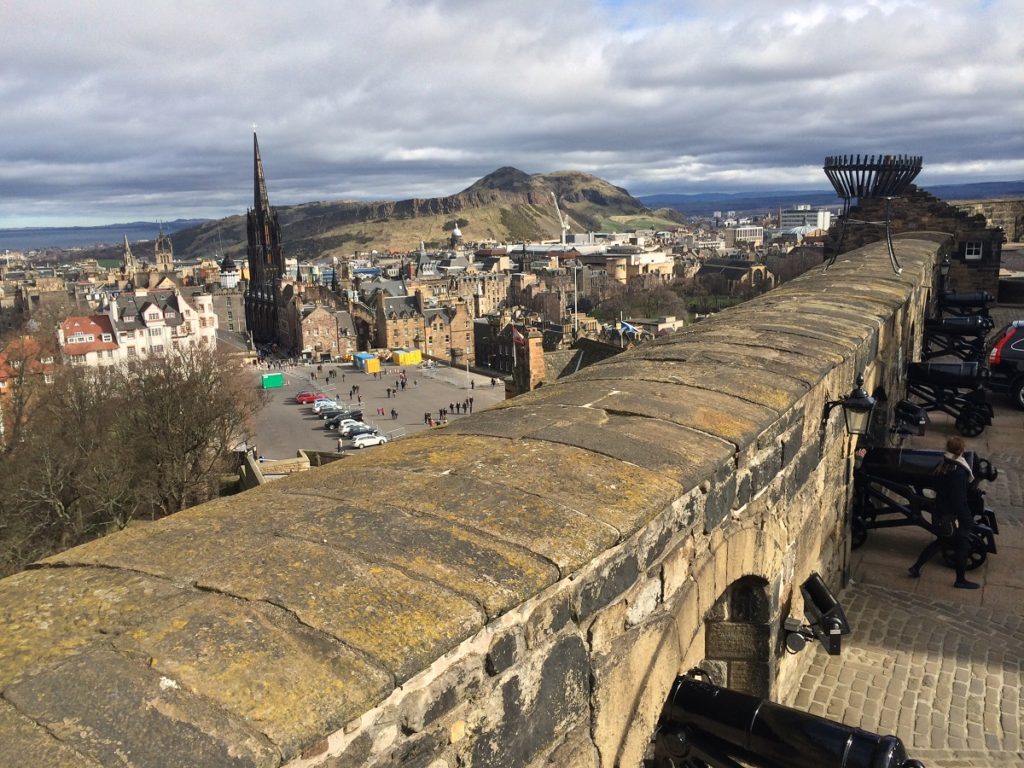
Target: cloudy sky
122,110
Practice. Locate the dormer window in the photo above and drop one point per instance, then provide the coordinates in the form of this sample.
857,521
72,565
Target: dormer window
107,337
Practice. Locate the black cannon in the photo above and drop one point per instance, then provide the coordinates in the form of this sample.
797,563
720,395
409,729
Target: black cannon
964,304
705,725
958,336
893,487
953,388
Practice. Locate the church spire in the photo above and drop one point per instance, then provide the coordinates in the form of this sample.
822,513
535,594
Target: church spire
261,202
128,264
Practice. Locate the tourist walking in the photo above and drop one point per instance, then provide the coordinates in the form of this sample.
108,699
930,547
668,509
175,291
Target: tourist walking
952,518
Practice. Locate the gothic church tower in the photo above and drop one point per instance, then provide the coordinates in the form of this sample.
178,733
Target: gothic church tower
266,260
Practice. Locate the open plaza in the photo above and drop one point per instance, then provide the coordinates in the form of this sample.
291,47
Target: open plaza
284,427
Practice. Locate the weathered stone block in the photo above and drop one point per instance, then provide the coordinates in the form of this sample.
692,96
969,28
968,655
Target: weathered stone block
720,498
549,618
675,569
631,684
669,524
604,587
354,755
734,641
531,709
792,441
503,652
643,601
99,695
419,751
577,750
750,677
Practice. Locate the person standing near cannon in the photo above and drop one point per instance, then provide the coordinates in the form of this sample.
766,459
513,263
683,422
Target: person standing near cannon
952,518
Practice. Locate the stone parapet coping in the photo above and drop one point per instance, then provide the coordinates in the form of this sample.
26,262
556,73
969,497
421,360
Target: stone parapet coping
243,631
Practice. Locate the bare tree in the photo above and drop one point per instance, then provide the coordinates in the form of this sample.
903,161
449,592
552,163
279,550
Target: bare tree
107,445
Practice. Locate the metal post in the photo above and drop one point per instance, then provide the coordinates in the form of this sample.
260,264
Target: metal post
575,300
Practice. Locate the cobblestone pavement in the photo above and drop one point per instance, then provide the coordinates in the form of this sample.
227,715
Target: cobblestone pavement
939,667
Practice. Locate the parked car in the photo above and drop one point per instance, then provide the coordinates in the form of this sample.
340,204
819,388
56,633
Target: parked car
354,430
346,423
332,422
305,398
319,405
1006,363
368,440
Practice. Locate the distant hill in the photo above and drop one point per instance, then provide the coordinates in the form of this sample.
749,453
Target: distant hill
507,205
705,203
33,238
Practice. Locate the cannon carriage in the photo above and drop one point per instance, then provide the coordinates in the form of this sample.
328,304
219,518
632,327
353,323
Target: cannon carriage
962,337
895,487
953,388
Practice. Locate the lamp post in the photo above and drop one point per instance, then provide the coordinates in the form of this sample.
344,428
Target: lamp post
944,266
576,267
857,409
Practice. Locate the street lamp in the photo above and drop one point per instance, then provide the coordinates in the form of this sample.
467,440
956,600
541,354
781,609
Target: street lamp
857,409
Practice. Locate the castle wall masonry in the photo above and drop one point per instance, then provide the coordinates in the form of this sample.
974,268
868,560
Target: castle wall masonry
518,588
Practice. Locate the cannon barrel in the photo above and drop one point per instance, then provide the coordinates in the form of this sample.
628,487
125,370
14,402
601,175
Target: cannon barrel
967,299
737,726
918,465
958,375
960,325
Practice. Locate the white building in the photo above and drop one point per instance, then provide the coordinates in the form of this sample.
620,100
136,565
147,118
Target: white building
803,216
139,325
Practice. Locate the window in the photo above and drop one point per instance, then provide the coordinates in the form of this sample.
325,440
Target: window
107,337
110,354
158,349
131,351
973,250
154,332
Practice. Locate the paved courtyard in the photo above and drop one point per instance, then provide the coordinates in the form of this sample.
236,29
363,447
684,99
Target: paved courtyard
939,667
283,427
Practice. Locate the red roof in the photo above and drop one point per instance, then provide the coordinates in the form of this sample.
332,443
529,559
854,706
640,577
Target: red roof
95,326
23,350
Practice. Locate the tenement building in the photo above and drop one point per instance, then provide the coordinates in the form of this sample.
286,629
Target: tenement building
139,325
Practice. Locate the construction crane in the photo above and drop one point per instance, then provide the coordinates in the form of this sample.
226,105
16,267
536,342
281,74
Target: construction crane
563,223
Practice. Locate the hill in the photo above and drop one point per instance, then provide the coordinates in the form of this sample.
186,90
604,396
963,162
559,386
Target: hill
507,205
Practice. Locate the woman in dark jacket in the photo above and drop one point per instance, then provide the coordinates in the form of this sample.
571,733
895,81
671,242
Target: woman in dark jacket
952,517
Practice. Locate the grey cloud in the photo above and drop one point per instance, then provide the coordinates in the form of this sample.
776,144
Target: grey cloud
116,110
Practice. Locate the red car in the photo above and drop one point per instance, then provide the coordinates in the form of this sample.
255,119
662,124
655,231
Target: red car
305,398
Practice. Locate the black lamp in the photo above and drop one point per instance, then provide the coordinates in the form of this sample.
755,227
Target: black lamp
944,266
826,619
857,408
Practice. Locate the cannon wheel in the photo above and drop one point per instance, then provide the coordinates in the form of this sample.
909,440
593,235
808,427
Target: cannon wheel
976,553
858,532
970,424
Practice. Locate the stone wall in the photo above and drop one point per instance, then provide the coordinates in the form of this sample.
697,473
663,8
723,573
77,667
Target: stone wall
1008,214
519,588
